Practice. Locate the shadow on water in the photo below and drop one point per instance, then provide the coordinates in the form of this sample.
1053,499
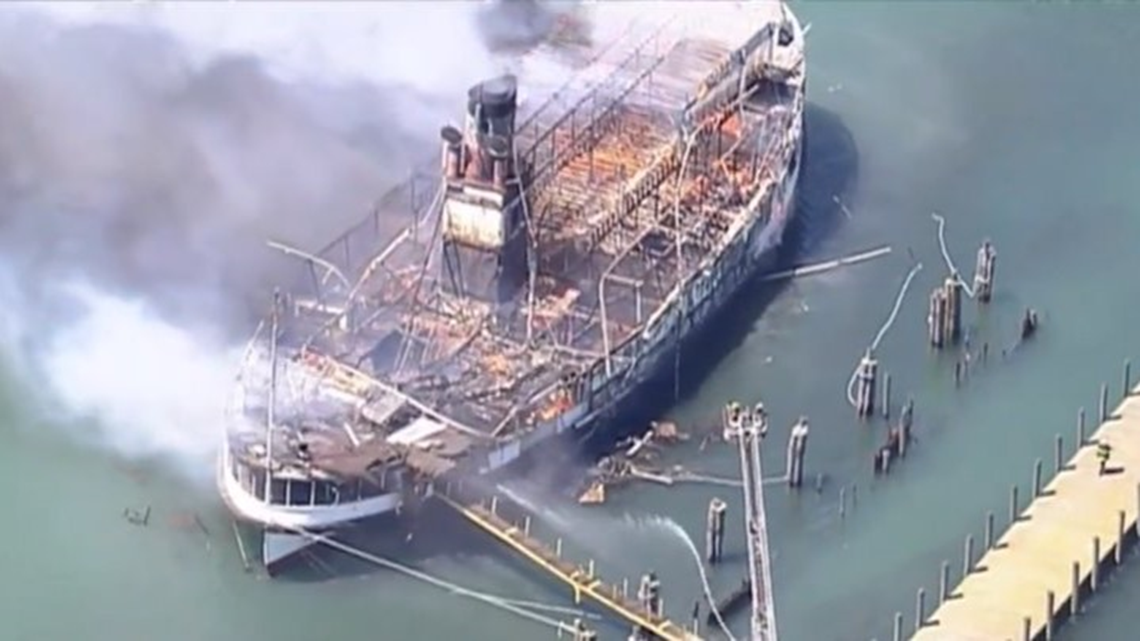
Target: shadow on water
830,169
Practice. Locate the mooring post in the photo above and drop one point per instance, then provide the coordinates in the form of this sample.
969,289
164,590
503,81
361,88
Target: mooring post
1126,387
1037,477
1058,454
1012,504
897,636
1119,537
944,583
1081,428
936,318
989,530
1094,578
714,534
1103,402
887,395
1050,598
1026,629
968,556
919,608
953,288
1075,599
865,385
984,272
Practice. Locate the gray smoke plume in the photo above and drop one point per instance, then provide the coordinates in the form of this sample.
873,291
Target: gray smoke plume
520,25
138,184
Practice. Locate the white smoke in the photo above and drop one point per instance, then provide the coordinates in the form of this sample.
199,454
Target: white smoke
145,386
147,151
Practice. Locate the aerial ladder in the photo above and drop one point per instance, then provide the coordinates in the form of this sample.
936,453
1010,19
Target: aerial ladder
748,428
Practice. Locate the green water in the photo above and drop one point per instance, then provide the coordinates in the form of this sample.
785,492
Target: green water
1015,121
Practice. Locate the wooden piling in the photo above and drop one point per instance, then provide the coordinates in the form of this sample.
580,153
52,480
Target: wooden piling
797,449
919,608
936,318
944,583
1094,577
1012,504
1119,552
1103,402
984,272
1126,383
1080,428
887,395
906,423
953,309
714,531
989,543
865,385
1037,465
968,556
1075,590
1027,629
897,636
1050,599
1058,454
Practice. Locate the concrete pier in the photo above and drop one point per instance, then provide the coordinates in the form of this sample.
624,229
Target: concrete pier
1029,580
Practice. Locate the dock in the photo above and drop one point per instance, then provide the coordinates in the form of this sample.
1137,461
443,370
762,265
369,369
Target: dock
1056,550
583,581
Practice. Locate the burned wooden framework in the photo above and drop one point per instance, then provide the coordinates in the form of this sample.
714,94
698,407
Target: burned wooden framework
628,205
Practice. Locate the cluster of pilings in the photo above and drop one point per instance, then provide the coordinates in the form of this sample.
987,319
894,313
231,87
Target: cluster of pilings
898,437
797,447
944,318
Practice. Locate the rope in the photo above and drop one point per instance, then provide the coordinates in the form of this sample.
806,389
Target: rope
498,602
883,330
946,255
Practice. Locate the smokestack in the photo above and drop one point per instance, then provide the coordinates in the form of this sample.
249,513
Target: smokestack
452,152
499,153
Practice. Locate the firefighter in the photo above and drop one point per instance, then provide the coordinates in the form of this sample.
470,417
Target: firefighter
1103,452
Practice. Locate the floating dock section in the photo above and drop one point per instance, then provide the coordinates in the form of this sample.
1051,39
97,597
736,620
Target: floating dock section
584,581
1055,551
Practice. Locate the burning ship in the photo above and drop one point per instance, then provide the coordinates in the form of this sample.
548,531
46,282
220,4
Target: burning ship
527,286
